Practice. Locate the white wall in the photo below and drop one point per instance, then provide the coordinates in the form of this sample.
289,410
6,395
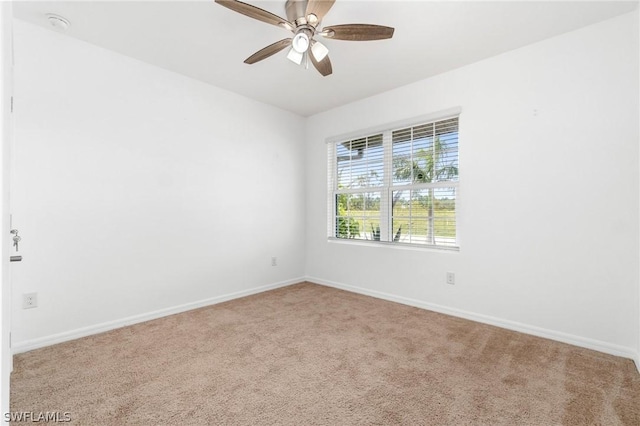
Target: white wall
548,214
6,79
137,190
123,201
637,359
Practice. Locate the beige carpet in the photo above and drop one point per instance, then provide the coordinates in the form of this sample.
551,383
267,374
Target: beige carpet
312,355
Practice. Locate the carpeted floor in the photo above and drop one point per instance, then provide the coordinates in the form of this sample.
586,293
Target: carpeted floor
312,355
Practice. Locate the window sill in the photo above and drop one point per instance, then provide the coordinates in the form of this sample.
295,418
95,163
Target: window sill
400,246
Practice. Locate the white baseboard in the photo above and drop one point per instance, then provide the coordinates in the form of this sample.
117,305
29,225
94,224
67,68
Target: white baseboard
600,346
596,345
29,345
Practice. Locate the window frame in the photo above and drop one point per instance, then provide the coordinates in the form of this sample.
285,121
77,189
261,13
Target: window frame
388,187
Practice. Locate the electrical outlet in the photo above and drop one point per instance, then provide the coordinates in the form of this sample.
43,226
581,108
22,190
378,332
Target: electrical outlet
274,261
451,278
29,300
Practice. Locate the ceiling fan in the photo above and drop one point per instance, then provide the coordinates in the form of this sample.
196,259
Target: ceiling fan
304,17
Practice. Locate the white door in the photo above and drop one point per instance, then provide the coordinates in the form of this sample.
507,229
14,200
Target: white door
6,120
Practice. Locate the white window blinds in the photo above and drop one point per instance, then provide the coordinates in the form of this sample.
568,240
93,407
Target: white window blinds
398,186
359,166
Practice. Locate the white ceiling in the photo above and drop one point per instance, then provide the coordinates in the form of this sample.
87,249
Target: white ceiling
208,42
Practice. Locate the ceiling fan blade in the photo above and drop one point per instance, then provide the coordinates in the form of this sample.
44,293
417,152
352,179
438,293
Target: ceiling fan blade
256,13
323,67
319,8
357,32
268,51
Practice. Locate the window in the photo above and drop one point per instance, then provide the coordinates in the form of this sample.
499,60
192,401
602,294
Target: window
396,186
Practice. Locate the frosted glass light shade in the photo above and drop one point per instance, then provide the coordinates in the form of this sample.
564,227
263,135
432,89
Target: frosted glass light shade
319,51
300,42
294,56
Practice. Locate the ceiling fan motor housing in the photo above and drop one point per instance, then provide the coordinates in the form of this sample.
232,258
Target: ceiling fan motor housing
296,11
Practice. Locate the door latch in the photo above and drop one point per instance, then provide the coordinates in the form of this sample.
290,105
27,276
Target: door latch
16,238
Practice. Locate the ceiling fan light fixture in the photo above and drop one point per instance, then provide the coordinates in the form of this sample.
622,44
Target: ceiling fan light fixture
319,51
295,56
303,19
300,42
